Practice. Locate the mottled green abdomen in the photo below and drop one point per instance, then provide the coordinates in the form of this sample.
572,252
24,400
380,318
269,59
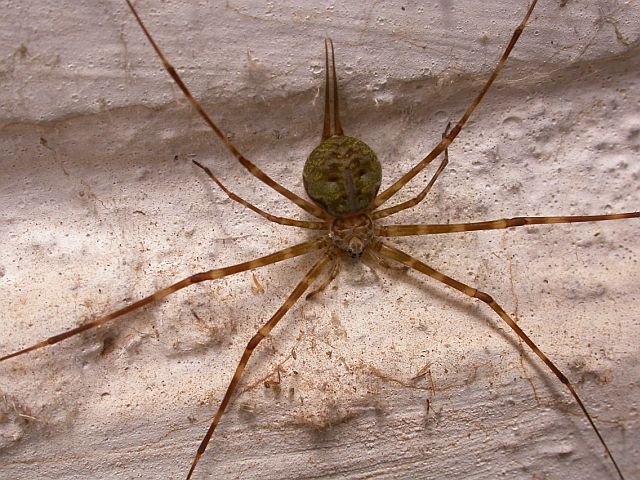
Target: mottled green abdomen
342,176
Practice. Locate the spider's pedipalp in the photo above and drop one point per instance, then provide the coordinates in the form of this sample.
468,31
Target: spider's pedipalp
331,124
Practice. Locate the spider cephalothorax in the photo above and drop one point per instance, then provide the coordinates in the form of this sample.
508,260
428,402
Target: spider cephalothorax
352,234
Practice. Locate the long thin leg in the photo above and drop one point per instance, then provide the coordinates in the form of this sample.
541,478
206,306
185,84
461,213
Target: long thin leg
327,131
399,256
253,343
218,273
385,212
406,230
251,167
272,218
333,273
444,143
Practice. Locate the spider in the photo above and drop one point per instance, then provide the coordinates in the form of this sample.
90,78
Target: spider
377,250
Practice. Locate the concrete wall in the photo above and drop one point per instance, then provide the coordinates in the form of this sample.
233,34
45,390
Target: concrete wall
101,205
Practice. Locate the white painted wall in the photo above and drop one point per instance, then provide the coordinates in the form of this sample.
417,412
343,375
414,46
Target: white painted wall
101,205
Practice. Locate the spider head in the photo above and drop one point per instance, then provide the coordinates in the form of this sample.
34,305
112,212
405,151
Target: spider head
352,234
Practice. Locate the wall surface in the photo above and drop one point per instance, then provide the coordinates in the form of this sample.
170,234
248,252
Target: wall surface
386,374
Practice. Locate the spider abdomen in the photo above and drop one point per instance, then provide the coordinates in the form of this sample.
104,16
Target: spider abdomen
342,176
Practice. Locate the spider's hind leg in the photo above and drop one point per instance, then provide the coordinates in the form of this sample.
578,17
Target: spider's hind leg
390,252
262,333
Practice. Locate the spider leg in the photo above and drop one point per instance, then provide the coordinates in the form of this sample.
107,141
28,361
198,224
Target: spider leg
326,130
444,143
405,259
272,218
250,166
385,212
308,279
375,257
418,198
216,274
335,269
405,230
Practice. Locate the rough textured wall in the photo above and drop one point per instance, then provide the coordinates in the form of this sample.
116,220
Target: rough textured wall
101,205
